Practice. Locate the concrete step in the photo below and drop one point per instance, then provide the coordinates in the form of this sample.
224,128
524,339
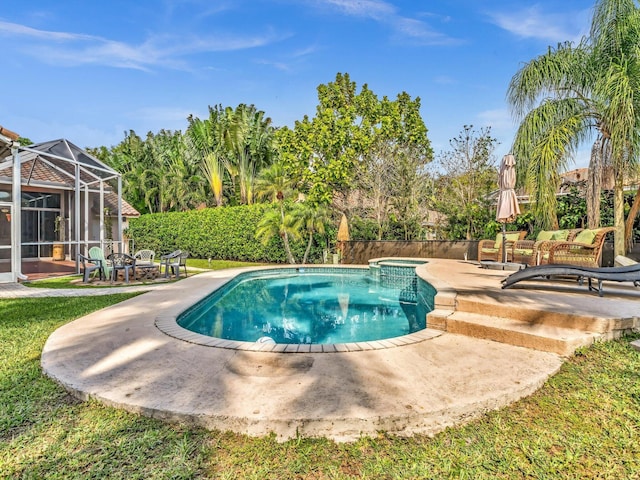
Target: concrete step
560,317
548,338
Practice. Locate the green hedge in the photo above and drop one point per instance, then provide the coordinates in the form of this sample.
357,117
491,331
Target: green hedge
226,233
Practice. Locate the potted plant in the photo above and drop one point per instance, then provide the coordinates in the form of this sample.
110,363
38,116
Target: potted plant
58,248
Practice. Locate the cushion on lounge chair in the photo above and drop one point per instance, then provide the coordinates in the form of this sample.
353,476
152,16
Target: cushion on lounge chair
544,235
509,237
560,235
586,236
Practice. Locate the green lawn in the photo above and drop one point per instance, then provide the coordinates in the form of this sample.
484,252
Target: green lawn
584,423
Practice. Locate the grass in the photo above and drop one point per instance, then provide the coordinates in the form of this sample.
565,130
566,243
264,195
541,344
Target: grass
71,281
584,423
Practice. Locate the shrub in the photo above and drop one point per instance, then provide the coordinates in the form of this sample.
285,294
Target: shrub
219,233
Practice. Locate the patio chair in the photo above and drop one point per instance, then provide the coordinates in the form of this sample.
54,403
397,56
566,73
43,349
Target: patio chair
584,251
91,266
144,257
536,252
627,273
166,259
122,262
96,253
173,265
492,249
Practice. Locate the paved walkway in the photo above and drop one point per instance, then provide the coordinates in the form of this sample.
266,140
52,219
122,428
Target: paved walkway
18,290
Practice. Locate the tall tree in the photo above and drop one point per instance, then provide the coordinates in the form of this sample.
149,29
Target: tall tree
323,153
467,174
571,92
206,142
275,184
313,219
249,143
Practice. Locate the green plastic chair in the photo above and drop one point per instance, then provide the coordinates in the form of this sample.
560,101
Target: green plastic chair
96,253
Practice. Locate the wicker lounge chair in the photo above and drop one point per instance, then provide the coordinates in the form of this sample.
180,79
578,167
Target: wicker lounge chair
536,252
628,273
492,249
584,251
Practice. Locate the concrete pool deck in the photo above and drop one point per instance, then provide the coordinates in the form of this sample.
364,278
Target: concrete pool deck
119,357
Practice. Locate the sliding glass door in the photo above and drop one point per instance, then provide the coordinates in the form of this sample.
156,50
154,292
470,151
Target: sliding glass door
6,211
39,212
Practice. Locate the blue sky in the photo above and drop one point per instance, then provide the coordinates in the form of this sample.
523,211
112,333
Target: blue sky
89,71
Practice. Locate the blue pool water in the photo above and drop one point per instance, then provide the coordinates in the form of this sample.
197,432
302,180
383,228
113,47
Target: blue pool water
307,306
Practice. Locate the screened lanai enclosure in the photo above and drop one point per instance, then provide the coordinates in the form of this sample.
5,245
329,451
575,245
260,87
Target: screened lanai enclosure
56,201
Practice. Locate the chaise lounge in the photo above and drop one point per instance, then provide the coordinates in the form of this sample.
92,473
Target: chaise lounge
627,273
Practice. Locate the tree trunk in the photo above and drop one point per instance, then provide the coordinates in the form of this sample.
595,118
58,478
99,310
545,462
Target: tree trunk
287,248
306,252
631,218
618,216
285,238
594,185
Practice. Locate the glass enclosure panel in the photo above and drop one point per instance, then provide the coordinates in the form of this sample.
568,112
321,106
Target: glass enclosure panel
5,192
5,226
47,232
51,200
29,233
5,239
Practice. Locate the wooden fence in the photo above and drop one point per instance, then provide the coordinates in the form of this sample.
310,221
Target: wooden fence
357,252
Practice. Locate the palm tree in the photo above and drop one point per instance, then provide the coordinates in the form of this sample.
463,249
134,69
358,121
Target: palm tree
277,222
248,139
274,184
207,141
571,92
313,218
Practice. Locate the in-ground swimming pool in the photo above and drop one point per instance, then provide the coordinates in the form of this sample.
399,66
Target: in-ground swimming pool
309,306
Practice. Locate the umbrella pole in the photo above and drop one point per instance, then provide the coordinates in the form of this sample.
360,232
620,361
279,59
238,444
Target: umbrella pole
504,245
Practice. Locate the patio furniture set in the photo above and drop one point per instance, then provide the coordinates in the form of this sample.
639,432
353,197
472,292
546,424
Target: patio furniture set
575,253
140,266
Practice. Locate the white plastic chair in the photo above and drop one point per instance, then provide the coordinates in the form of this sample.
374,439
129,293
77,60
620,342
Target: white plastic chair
144,257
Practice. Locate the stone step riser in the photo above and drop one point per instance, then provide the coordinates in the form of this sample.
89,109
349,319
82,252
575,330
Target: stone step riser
517,338
552,319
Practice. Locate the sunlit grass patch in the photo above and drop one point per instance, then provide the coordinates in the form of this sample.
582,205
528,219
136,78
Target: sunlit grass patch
583,423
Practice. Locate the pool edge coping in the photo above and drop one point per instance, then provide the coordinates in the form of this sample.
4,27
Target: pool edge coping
167,323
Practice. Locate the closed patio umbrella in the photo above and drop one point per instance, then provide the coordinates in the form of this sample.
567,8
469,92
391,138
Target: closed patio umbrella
508,207
343,234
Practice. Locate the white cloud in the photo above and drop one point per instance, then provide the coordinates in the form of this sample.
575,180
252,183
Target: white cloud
375,9
405,28
167,51
532,22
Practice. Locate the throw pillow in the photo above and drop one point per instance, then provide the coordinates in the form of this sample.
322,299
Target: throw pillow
585,236
544,235
560,235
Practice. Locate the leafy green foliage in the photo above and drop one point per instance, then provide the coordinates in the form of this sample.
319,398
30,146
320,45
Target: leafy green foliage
323,153
363,229
572,210
466,177
227,233
572,93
